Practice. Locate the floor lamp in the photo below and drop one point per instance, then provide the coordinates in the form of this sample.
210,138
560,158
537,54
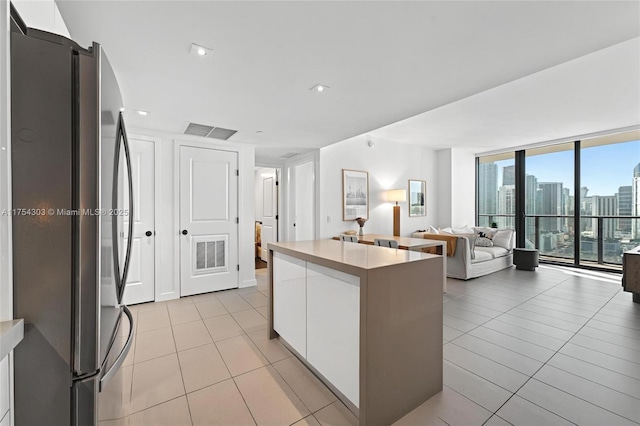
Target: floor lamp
396,195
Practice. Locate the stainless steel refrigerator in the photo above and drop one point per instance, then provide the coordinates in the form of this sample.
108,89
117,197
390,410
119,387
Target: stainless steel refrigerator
70,163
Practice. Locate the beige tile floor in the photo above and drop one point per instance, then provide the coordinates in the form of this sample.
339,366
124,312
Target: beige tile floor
555,346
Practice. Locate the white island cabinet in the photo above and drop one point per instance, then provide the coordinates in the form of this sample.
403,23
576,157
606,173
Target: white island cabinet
333,327
290,298
11,333
366,320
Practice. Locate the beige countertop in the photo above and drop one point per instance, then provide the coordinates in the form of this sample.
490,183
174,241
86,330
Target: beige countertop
11,333
361,256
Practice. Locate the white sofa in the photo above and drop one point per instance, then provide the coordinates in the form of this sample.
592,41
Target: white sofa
486,260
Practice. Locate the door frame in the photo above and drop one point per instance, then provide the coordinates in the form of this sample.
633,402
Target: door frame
314,157
177,144
156,197
281,188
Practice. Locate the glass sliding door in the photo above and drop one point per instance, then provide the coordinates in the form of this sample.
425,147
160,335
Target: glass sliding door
496,190
549,201
609,198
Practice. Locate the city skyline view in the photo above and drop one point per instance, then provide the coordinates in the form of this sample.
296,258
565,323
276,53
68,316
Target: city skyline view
604,168
609,188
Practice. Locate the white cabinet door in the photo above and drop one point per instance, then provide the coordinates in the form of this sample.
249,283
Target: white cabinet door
289,301
4,386
333,328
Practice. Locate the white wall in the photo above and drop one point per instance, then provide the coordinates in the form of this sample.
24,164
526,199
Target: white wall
287,208
41,14
167,228
390,166
304,196
456,187
444,188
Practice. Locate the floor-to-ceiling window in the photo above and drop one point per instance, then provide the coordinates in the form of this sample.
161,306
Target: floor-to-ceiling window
549,201
609,199
496,190
580,201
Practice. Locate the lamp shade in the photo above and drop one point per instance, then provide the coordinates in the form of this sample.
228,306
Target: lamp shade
397,195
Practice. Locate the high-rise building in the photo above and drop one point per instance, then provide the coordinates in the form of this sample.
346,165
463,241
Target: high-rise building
567,208
625,202
604,205
530,206
550,200
507,205
509,175
487,188
585,209
531,188
635,201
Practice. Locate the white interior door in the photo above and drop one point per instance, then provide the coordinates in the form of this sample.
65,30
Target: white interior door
208,220
303,201
268,210
141,278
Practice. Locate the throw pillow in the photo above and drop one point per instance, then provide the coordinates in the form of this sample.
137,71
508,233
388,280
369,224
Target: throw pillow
489,232
484,242
433,230
447,230
464,230
503,238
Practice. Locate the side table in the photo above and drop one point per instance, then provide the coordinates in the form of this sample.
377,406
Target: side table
525,259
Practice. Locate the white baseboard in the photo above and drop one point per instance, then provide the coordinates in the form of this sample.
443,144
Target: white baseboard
248,283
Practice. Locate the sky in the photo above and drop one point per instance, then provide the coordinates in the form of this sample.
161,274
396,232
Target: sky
604,168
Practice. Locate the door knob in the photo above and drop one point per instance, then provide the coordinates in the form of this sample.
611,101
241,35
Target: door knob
185,232
148,233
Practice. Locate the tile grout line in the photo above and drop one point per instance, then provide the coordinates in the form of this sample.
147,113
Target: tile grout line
545,363
184,387
243,399
600,366
529,378
231,377
604,353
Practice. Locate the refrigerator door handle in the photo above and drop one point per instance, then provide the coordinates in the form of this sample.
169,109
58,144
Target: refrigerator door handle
123,354
114,203
127,259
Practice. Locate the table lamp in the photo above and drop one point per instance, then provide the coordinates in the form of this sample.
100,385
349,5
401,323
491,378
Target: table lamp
396,195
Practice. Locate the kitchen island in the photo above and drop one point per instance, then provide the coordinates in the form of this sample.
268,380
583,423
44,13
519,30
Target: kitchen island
366,320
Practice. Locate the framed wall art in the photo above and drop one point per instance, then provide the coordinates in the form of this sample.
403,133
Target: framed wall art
355,194
417,197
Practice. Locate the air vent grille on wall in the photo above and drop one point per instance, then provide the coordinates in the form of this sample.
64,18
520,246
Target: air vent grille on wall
210,254
209,131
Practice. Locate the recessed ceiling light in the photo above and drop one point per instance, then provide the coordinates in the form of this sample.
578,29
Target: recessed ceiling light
142,112
200,51
319,87
259,131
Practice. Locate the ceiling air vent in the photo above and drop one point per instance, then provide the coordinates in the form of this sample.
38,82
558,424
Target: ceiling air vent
209,131
220,133
198,129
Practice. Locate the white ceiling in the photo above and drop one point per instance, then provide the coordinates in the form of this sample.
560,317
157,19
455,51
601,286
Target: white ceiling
384,61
